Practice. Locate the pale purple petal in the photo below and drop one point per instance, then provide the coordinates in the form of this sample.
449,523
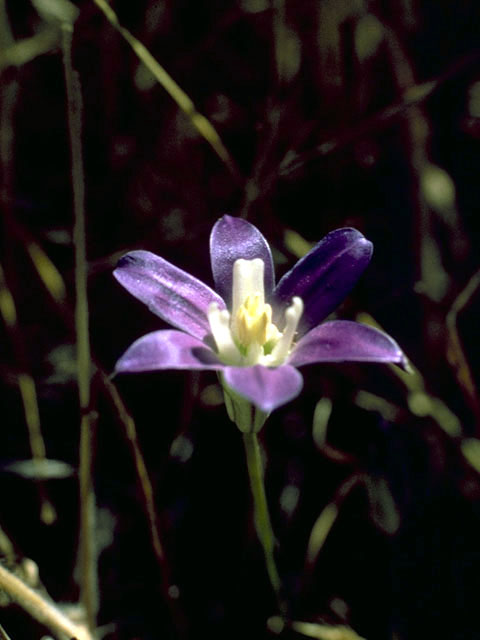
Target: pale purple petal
174,295
167,349
325,276
266,388
345,341
231,239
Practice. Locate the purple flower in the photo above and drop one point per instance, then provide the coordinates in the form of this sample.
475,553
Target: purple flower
252,332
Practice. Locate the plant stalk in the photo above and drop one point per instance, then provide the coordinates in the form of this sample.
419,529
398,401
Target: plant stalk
87,548
262,516
39,608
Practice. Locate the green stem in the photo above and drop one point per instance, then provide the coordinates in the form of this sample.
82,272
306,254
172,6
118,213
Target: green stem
87,551
262,516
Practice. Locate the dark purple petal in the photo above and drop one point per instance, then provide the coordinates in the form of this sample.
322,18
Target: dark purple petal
345,341
167,349
174,295
325,276
266,388
231,239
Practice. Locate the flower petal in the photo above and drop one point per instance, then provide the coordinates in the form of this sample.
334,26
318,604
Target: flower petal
174,295
326,274
167,349
345,341
231,239
266,388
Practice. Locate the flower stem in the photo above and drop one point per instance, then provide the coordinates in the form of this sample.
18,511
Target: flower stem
262,516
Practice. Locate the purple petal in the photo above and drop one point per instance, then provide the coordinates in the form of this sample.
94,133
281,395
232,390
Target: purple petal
231,239
174,295
167,350
266,388
345,341
325,276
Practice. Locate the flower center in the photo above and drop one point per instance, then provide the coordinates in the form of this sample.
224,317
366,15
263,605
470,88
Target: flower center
248,336
253,321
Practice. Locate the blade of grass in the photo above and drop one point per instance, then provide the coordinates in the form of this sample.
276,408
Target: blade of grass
39,608
327,519
3,634
6,548
27,49
8,100
199,121
420,401
28,392
47,271
324,631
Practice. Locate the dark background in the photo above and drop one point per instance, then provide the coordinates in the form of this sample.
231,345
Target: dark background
325,109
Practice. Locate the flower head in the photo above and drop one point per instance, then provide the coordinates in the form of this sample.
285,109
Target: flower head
252,332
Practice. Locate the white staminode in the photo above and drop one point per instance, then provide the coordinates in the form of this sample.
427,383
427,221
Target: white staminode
247,281
292,315
248,336
219,320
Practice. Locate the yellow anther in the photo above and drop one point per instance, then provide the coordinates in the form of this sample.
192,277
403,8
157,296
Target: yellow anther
253,305
253,321
261,328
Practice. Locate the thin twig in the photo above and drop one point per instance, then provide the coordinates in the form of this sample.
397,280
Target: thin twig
169,591
128,424
456,354
412,97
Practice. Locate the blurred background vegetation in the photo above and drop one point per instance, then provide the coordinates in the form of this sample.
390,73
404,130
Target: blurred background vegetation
302,117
